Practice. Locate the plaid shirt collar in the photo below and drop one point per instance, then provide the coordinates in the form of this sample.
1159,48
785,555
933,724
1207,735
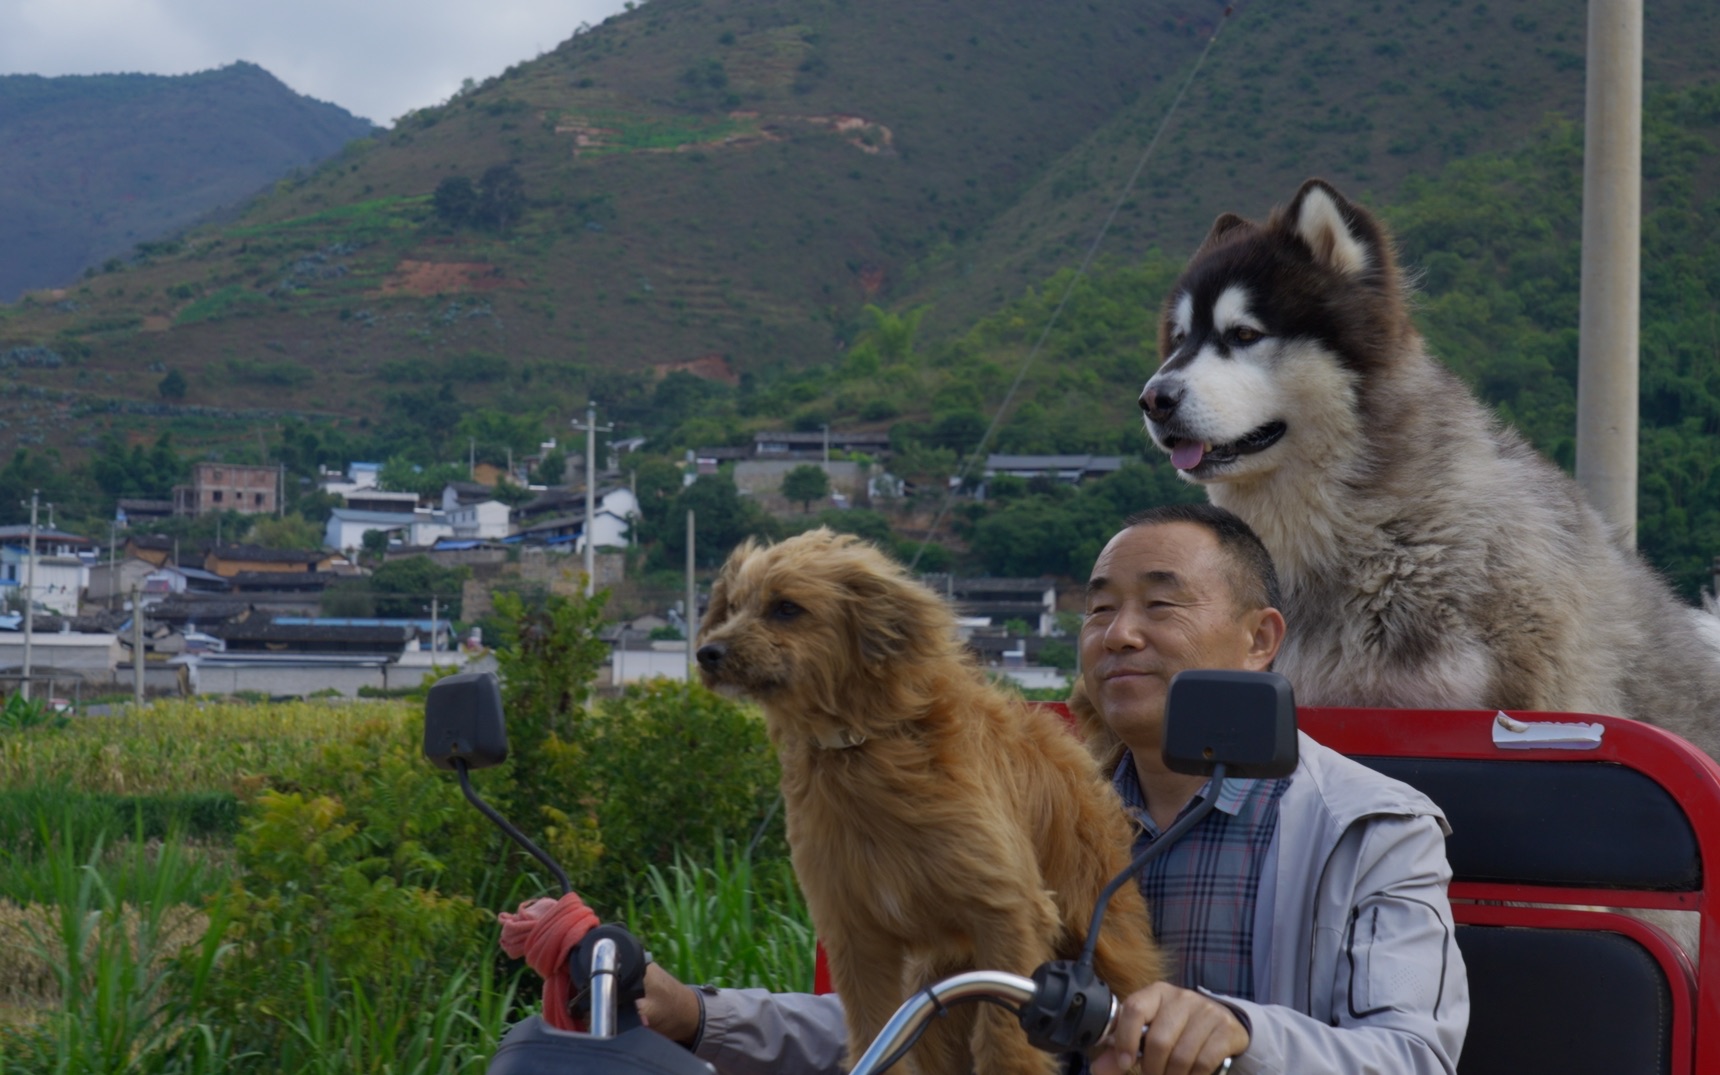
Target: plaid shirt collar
1233,797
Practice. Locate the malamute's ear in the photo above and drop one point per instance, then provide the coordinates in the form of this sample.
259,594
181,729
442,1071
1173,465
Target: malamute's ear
1340,235
1224,225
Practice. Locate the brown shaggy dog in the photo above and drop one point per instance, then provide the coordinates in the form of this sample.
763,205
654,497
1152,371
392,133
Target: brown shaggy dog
937,823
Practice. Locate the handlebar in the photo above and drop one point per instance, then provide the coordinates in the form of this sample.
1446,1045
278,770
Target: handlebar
1012,990
912,1017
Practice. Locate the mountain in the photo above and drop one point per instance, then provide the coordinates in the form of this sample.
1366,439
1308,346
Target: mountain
93,165
727,184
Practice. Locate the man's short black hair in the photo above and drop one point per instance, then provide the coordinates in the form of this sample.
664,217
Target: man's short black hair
1253,579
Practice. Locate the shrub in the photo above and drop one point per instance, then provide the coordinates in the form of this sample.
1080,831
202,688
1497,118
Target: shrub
671,766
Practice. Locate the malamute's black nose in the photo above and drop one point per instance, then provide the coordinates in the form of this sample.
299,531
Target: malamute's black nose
711,655
1159,403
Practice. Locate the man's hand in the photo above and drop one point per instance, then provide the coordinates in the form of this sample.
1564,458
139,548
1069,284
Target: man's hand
1187,1033
669,1006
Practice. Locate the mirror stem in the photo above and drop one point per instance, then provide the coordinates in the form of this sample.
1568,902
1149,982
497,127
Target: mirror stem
1170,836
502,823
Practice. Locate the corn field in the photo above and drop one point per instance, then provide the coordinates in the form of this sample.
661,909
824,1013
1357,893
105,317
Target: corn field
234,888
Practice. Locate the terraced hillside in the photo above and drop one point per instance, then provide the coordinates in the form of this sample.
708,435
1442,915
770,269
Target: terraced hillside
737,179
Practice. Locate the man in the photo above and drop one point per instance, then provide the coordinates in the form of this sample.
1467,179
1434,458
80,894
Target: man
1309,914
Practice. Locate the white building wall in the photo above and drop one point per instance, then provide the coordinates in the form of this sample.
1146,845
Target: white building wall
487,521
58,582
634,665
429,527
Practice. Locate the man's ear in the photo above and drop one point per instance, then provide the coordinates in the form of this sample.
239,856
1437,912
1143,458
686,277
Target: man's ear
1342,237
1266,638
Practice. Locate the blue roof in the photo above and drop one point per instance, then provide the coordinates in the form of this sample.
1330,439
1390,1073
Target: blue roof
359,621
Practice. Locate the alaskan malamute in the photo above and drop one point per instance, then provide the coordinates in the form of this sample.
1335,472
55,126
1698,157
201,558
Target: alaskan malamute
1430,558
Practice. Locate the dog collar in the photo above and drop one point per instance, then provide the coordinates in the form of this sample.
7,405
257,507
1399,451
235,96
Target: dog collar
840,739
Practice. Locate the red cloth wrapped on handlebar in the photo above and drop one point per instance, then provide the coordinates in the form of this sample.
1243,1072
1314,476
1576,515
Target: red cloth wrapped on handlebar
544,932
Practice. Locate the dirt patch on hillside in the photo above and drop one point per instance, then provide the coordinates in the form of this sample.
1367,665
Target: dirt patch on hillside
858,131
711,367
442,277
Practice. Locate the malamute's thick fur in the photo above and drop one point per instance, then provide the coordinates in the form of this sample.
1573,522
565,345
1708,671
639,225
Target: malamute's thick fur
1429,556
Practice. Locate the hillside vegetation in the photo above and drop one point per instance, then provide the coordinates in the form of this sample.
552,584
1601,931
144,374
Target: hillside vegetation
739,178
867,218
96,164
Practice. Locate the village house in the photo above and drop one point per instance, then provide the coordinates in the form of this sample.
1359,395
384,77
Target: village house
231,560
994,602
346,528
155,549
61,567
1064,469
129,510
474,512
229,487
557,518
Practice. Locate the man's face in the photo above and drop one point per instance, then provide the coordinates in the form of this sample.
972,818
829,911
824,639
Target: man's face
1159,602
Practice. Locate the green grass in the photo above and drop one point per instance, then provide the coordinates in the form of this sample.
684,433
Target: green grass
235,299
150,924
357,222
39,826
145,998
632,132
729,922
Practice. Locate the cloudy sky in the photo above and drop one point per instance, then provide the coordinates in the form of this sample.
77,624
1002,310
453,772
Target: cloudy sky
376,58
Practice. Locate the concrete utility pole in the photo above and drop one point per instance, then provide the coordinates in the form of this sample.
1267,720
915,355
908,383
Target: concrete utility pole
692,617
136,647
30,597
1611,286
113,572
591,429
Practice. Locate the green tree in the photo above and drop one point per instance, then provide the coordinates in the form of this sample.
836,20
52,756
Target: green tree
723,519
497,433
501,198
548,654
349,598
657,482
632,741
286,532
375,544
551,468
404,587
806,483
133,472
513,495
455,200
401,475
172,386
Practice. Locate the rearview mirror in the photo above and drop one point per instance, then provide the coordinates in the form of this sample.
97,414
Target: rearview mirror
1244,720
463,722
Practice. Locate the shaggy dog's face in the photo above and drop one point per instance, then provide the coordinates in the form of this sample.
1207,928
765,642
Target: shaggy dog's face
811,617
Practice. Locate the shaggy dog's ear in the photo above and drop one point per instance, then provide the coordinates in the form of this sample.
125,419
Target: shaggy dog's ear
718,609
1342,236
893,617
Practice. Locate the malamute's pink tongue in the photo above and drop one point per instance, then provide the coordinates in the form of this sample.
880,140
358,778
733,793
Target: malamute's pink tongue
1188,454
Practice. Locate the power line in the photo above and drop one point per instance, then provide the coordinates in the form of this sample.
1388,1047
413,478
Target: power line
1080,273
